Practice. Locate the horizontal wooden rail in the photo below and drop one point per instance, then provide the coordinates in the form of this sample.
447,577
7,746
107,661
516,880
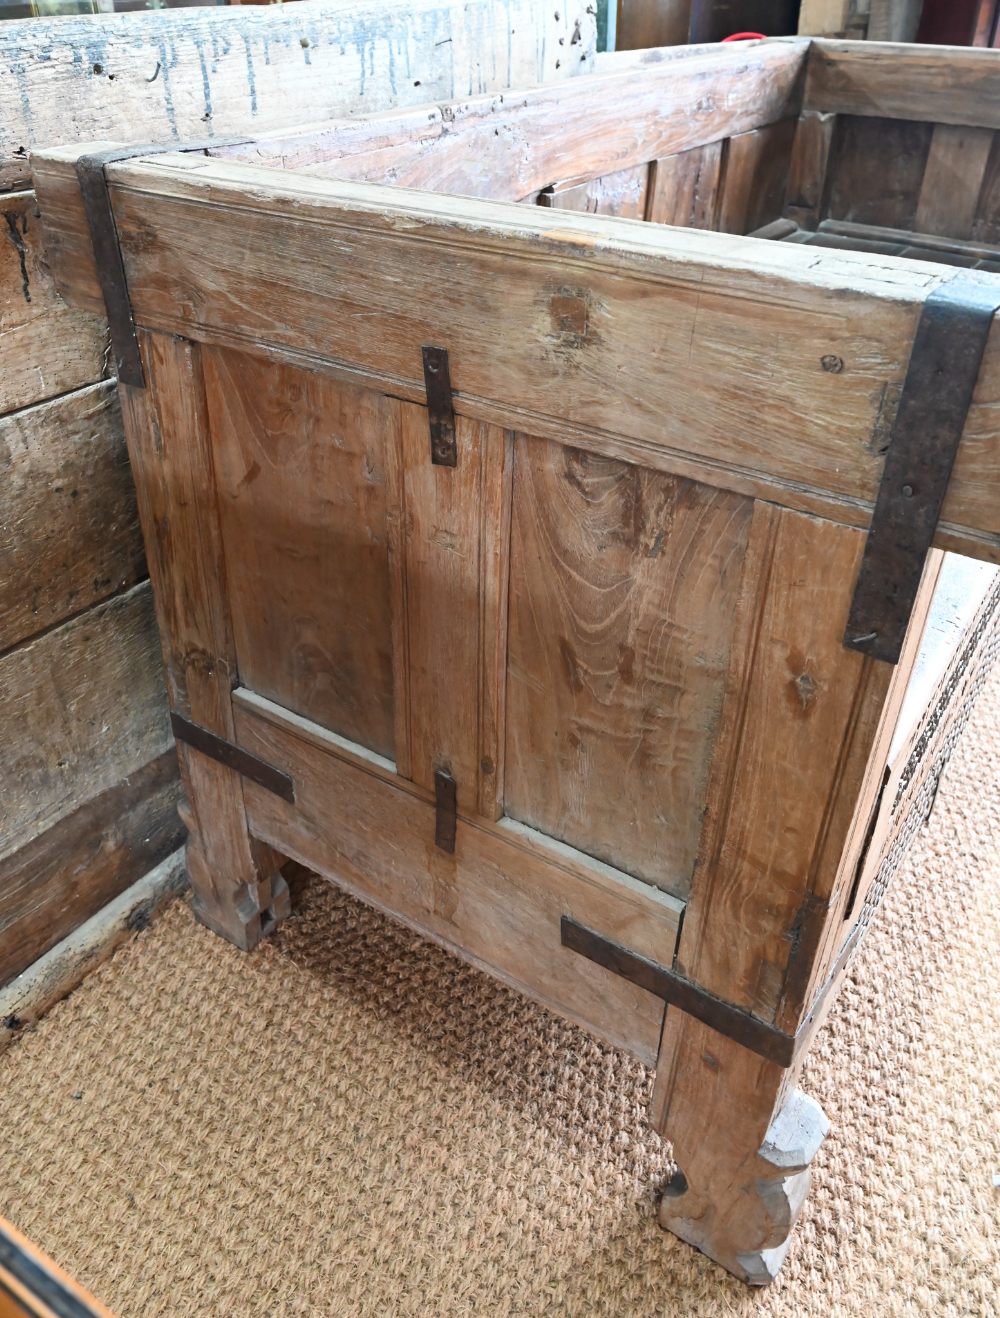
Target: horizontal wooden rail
512,144
766,369
934,84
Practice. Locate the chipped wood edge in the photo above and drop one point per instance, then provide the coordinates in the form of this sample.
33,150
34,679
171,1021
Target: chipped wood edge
26,999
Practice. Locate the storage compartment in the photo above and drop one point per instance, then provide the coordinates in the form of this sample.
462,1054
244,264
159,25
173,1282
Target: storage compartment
524,567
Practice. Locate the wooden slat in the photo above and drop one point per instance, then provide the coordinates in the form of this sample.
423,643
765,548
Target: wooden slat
70,533
800,716
807,173
986,227
46,347
497,900
755,177
621,193
623,592
684,188
689,351
170,447
300,463
453,519
193,74
935,84
61,877
507,147
953,179
81,708
876,170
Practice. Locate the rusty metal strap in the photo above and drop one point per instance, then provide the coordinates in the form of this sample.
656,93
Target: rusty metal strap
92,174
243,762
761,1038
940,380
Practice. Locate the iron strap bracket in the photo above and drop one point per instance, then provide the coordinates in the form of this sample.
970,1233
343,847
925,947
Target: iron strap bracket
765,1040
440,406
940,380
243,762
91,171
445,810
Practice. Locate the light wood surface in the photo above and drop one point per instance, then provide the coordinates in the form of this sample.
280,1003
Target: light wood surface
196,74
498,900
704,399
623,593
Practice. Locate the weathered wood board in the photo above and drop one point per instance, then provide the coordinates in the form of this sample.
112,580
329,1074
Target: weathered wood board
65,874
81,708
69,530
704,400
195,74
46,347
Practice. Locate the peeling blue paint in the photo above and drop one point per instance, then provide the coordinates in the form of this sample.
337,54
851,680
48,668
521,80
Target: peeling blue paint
251,75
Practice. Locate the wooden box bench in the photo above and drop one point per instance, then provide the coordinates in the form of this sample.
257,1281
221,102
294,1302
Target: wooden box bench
554,580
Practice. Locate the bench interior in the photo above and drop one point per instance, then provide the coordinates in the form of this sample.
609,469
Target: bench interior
816,143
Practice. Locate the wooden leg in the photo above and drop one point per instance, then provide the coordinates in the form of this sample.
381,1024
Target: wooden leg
238,888
743,1140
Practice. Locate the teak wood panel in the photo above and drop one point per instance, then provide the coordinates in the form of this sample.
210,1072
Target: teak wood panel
732,336
622,600
800,716
497,900
303,465
454,586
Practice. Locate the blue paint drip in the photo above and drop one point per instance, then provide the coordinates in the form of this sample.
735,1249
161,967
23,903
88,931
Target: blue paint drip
251,75
168,95
206,83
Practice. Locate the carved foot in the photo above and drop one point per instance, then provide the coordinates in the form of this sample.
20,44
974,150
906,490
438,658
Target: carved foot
242,913
741,1212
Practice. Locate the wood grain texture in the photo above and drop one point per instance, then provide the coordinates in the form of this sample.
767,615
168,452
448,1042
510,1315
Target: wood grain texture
684,189
755,177
620,193
60,878
196,74
455,568
807,171
67,510
718,393
509,146
46,347
623,591
81,708
798,725
496,901
876,170
953,179
170,446
936,84
986,227
301,470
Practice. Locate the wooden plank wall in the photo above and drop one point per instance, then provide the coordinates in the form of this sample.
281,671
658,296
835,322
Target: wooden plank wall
731,185
83,712
905,174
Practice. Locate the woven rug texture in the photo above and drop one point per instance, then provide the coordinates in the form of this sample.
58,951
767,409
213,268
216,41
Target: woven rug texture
350,1121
